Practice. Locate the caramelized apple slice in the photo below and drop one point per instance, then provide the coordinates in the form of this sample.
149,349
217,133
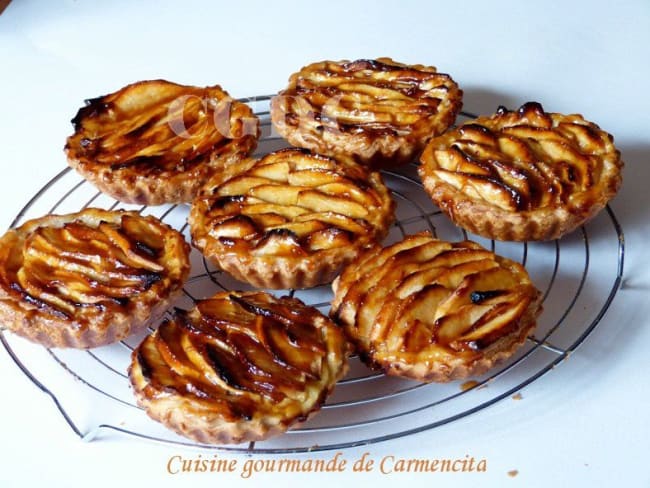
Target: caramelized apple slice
240,185
318,201
312,177
278,194
277,171
287,211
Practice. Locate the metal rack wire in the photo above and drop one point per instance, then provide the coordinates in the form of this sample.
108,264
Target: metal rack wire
91,388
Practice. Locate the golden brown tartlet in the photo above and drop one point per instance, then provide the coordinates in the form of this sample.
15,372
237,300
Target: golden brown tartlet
380,112
522,176
155,142
291,219
90,278
435,311
239,367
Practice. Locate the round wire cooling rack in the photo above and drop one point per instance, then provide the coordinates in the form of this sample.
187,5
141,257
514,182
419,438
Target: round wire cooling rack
578,274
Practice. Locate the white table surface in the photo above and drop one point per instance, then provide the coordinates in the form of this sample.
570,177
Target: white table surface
585,423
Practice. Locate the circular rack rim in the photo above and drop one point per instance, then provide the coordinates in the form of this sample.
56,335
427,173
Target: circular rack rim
561,353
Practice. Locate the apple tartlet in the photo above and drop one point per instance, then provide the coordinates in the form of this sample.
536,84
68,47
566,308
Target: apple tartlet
524,175
238,367
379,112
291,219
90,278
156,142
431,310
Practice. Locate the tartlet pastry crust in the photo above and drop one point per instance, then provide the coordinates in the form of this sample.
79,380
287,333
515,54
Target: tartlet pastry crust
380,112
524,175
291,219
156,142
239,367
431,310
90,278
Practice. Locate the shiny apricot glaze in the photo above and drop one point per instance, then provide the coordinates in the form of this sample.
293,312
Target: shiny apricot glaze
89,278
433,310
522,175
155,142
379,112
291,219
240,366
